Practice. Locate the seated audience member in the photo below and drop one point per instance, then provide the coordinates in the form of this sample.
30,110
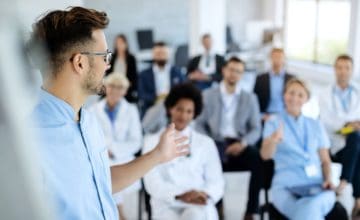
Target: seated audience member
120,123
231,117
156,81
340,113
269,86
299,146
123,61
204,69
189,187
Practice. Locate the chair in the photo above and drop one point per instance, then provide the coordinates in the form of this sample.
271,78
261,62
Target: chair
337,213
182,56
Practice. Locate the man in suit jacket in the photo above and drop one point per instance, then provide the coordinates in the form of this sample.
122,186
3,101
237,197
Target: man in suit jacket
231,117
205,68
156,81
269,86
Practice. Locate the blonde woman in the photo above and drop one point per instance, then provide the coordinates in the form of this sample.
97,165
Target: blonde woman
121,126
299,146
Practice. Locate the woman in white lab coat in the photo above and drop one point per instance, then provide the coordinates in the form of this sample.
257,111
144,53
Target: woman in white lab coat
121,126
341,109
188,187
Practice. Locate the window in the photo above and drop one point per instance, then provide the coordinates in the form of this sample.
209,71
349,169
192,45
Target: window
317,30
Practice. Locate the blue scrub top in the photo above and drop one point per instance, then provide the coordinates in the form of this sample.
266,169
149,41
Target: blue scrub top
74,161
302,139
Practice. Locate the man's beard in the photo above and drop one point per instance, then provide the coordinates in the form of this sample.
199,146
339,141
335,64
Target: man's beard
92,87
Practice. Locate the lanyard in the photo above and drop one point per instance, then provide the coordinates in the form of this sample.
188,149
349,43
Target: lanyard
301,141
345,102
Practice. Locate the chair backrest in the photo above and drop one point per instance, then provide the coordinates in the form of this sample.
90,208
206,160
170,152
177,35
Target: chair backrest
145,39
182,55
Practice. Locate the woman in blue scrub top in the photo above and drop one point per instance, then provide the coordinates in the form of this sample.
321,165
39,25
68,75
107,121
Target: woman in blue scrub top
299,147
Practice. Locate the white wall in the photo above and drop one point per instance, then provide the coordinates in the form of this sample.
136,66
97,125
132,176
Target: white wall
29,11
168,19
239,13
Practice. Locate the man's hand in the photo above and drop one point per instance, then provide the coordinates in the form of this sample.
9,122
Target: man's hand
327,184
193,197
354,124
171,145
235,149
266,117
197,75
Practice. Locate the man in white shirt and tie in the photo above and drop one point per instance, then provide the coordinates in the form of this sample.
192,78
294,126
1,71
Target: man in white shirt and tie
156,81
205,69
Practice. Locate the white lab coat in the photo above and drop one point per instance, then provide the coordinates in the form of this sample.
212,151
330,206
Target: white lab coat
125,138
199,171
334,117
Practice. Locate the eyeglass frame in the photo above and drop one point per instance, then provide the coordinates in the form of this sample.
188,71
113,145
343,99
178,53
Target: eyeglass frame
107,55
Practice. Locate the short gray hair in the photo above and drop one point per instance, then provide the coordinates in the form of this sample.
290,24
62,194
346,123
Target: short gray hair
118,79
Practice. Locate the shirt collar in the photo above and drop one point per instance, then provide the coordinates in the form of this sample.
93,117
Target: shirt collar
63,107
166,69
116,109
210,53
281,73
186,131
293,120
224,92
338,90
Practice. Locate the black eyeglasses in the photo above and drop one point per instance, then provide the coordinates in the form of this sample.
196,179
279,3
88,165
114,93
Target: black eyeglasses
107,55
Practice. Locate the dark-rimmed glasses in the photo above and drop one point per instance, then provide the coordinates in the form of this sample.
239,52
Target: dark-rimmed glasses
107,55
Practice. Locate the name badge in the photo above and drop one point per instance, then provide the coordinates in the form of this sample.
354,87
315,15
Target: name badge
312,170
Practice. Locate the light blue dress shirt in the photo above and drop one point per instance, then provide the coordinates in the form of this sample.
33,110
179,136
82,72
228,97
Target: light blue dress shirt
74,161
344,96
296,150
276,103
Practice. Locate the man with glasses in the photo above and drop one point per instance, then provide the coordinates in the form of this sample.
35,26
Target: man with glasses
73,157
231,117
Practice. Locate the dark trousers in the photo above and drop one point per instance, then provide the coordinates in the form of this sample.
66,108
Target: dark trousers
248,160
349,157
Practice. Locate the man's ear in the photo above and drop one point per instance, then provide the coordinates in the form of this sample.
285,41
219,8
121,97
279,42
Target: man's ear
79,63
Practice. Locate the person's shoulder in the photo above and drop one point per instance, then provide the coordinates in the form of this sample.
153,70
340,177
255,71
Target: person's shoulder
131,107
194,58
150,141
146,72
96,106
44,115
203,138
211,91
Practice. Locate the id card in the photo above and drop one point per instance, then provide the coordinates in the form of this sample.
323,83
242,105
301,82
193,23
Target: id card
312,170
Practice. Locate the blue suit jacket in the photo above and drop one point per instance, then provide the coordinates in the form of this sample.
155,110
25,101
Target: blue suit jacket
147,90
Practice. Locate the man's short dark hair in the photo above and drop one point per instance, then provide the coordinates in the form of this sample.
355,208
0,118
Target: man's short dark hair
184,91
61,31
235,60
344,57
159,44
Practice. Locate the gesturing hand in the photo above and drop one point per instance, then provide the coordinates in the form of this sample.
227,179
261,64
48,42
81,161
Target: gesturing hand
193,197
277,136
171,145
